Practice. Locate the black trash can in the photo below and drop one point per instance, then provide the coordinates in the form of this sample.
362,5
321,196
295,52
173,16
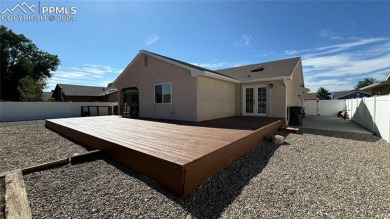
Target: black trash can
296,115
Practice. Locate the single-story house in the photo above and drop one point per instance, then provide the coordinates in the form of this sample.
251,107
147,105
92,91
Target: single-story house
381,88
344,95
80,93
164,88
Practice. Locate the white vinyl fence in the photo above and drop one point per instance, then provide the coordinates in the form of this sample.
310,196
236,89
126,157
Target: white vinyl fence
372,113
23,111
324,107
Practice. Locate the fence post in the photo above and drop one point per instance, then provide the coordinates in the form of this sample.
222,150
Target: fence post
318,107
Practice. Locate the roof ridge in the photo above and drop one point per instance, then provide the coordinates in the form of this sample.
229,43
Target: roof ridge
81,85
187,64
280,60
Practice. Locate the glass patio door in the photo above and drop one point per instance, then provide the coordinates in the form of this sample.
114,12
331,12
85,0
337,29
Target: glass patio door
255,101
261,101
249,101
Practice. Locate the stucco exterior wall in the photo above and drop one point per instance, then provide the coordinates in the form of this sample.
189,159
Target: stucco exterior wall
215,98
277,96
238,100
183,106
385,90
294,95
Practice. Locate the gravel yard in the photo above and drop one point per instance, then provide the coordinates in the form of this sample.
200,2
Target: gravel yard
316,174
25,144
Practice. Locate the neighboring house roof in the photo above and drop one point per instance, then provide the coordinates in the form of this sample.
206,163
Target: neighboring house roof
341,94
377,85
268,70
80,90
310,96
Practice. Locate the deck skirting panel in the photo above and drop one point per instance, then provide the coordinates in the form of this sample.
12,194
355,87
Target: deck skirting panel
202,169
167,174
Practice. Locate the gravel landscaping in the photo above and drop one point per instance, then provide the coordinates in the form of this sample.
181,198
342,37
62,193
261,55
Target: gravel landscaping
25,144
316,174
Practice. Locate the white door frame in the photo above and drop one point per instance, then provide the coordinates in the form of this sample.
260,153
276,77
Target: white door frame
255,100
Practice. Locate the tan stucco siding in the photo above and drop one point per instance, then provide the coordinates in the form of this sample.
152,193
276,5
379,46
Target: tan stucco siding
385,90
183,106
277,96
294,95
238,101
215,98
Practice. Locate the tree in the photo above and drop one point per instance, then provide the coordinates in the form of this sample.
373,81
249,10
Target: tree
365,82
30,90
323,94
21,59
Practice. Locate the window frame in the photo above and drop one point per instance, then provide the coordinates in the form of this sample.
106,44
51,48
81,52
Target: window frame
162,93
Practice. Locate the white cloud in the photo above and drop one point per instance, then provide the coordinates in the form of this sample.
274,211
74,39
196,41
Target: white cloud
87,74
346,46
339,66
244,41
329,34
151,39
290,52
329,84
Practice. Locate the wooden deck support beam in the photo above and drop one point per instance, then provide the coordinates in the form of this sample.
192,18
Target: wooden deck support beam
16,202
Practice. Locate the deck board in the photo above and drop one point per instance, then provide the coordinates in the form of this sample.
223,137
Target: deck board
173,153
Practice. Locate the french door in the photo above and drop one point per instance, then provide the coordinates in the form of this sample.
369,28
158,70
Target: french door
255,101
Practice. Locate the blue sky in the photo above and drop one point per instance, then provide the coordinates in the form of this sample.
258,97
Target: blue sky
340,42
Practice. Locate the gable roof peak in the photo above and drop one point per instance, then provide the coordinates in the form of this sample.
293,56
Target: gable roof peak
277,69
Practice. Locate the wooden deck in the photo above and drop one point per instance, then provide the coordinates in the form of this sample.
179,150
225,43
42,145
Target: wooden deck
180,156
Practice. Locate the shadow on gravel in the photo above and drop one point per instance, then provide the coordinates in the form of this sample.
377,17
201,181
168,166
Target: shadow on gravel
214,196
343,135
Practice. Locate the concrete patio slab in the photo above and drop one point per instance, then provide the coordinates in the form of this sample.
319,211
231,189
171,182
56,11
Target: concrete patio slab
332,124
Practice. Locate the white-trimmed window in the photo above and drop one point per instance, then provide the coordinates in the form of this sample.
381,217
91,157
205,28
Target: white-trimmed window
163,93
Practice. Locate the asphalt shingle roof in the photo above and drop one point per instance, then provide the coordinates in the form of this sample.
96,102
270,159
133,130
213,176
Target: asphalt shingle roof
340,94
79,90
188,64
274,69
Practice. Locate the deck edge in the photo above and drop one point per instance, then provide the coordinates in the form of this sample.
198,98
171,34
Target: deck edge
196,172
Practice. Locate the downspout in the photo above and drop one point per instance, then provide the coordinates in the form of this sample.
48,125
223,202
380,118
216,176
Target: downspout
374,118
270,99
285,102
